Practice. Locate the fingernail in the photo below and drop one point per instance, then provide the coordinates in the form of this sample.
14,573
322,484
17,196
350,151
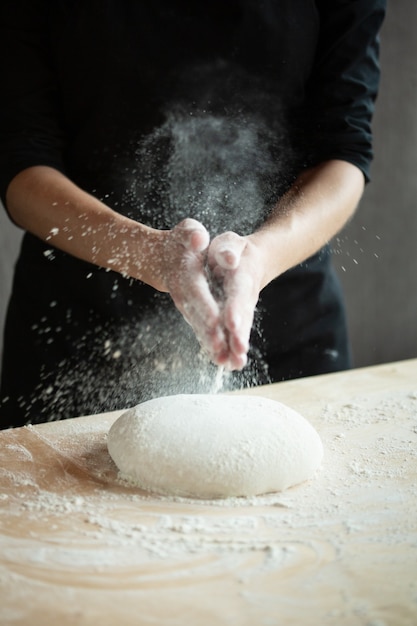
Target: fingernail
236,321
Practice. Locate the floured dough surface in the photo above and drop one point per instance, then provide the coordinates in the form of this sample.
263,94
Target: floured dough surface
211,446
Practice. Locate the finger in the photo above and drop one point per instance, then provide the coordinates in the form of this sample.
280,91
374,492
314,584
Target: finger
193,298
232,362
226,250
208,331
192,235
238,313
227,259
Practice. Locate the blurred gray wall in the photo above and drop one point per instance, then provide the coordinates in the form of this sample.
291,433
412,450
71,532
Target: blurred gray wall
376,254
10,237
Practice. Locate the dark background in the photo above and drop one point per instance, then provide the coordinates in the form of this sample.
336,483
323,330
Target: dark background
376,254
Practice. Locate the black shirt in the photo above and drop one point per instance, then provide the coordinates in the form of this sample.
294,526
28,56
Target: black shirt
166,110
82,80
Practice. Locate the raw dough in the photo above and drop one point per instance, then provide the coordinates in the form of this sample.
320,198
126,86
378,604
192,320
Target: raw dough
210,446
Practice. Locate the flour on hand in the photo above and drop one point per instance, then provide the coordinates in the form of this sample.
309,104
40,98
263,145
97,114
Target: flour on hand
214,446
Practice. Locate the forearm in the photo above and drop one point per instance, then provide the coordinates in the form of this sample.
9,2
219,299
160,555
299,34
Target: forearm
46,203
315,209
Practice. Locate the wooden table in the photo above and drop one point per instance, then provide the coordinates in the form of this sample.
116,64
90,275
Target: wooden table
79,547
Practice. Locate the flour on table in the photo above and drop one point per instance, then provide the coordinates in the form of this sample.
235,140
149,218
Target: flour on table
214,446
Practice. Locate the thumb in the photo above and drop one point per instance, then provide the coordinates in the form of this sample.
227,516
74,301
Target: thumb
192,235
226,250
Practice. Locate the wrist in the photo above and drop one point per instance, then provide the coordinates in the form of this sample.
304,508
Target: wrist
138,252
269,255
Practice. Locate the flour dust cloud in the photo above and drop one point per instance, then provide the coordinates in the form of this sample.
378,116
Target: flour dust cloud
224,165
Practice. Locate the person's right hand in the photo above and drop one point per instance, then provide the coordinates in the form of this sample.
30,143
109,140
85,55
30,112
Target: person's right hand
183,271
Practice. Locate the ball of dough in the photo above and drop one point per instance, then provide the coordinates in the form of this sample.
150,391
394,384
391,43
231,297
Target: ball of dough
211,446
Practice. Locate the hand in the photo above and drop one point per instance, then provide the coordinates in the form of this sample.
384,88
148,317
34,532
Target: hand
185,278
236,269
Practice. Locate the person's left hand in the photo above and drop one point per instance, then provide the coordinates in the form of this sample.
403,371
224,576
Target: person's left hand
236,270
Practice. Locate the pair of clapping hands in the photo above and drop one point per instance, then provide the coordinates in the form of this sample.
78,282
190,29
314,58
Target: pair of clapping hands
215,284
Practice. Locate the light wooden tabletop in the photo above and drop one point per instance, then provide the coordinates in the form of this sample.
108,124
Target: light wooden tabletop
79,547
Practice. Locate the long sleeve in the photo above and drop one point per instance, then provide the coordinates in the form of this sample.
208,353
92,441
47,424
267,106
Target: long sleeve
30,132
343,85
